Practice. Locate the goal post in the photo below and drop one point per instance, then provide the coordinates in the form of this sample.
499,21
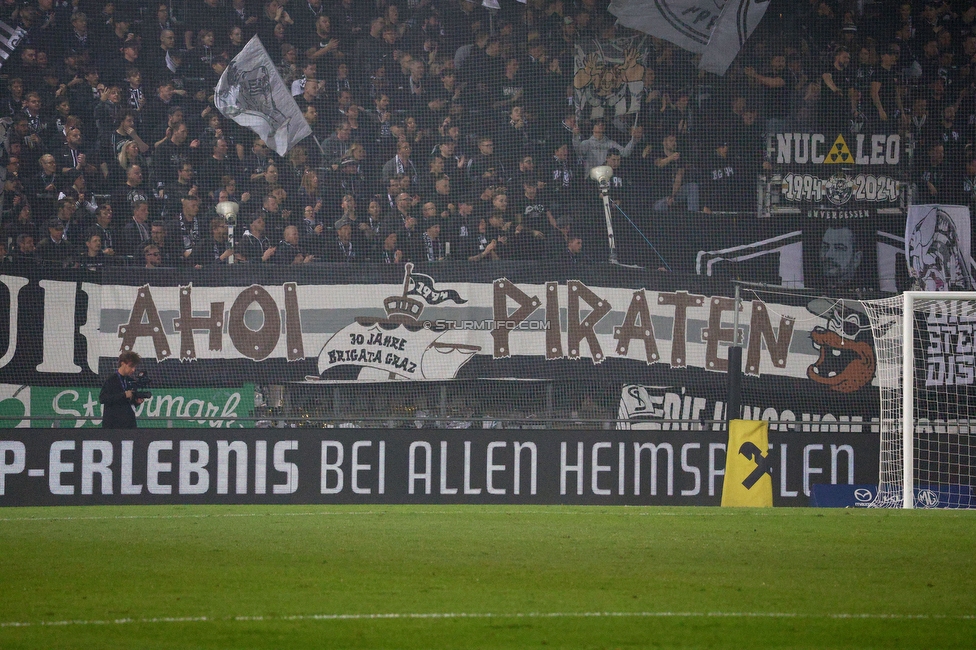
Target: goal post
925,342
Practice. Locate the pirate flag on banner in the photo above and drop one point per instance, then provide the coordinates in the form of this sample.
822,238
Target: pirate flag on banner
423,285
251,93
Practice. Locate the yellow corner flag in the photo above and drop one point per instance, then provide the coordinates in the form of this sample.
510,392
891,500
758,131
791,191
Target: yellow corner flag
748,480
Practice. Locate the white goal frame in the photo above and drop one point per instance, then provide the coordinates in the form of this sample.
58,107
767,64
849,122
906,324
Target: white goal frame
908,383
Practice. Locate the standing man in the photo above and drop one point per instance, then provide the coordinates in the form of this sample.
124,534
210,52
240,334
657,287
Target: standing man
118,394
836,99
593,150
400,164
669,178
776,91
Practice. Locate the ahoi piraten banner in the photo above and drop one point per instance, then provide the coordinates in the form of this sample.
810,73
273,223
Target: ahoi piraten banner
663,352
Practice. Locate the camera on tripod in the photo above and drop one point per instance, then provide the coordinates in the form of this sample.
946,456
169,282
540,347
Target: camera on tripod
140,386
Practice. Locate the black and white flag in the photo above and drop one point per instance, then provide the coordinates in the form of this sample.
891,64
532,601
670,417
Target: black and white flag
252,93
423,286
10,38
938,247
716,29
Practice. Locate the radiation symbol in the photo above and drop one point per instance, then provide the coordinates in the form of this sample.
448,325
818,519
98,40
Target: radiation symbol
839,153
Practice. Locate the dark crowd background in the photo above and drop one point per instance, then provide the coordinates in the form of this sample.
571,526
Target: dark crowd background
442,130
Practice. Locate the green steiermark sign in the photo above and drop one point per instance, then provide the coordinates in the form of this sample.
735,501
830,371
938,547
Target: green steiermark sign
78,407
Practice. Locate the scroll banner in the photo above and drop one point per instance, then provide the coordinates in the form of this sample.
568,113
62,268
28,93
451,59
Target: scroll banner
748,474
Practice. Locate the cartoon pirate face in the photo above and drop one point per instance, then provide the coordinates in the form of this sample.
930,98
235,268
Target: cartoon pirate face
846,361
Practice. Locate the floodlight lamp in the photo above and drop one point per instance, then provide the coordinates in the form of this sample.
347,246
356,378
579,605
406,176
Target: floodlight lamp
602,174
228,210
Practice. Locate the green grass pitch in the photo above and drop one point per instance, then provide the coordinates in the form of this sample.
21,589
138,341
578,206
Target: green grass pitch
485,577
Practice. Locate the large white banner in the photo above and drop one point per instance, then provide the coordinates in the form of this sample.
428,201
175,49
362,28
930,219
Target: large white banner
717,29
252,93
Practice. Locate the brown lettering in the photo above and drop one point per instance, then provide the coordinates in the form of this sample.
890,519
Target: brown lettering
144,308
253,344
715,333
637,325
293,323
760,329
186,323
503,290
554,341
681,300
576,330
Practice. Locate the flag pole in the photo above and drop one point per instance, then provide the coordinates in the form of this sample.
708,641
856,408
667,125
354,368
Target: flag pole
319,144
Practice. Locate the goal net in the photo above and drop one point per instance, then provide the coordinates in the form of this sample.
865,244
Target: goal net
925,354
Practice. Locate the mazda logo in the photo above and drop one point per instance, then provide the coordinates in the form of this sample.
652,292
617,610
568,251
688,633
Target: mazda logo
927,499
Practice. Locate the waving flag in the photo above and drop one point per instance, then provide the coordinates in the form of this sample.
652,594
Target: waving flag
938,247
717,29
423,286
252,93
10,38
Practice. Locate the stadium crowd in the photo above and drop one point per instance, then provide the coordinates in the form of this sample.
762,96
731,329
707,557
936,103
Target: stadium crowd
440,129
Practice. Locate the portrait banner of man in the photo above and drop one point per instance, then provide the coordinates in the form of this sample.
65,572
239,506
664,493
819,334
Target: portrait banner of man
839,255
938,246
